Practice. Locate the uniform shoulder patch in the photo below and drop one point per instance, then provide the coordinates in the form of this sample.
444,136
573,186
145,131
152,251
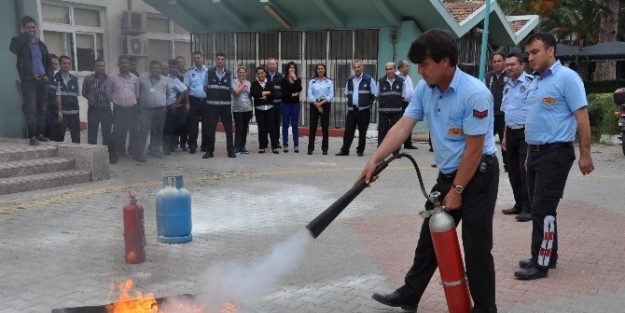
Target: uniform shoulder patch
480,114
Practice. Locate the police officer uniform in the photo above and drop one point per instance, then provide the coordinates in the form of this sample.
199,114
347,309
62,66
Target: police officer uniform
515,108
219,107
69,91
360,93
465,108
51,119
550,130
276,80
196,79
496,83
390,95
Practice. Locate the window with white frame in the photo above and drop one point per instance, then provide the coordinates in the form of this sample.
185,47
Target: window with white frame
166,40
74,30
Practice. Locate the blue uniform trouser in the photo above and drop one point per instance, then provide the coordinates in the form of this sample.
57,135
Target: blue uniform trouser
290,116
548,167
476,214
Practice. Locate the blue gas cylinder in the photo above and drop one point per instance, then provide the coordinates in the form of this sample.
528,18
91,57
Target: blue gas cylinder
173,211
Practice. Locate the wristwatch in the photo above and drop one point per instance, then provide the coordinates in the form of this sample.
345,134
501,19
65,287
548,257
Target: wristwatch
458,188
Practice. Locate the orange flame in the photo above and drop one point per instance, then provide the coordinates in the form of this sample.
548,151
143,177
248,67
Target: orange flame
137,302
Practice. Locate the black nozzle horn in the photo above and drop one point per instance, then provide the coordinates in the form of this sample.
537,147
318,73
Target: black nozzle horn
321,222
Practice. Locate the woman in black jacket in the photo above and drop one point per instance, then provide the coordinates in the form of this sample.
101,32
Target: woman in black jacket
262,91
290,107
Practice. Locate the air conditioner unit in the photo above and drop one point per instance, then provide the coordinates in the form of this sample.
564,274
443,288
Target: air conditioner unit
134,22
136,46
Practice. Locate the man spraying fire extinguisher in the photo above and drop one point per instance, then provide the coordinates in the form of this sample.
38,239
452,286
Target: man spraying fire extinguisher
459,111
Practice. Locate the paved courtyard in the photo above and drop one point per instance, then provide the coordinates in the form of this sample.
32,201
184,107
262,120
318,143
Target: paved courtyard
62,247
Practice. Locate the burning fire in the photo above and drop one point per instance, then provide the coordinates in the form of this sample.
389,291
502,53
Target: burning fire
137,302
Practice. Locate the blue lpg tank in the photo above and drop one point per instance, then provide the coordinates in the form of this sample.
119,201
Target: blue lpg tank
173,211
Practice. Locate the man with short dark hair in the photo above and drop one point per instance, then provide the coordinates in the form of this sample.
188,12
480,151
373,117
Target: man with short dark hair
154,91
556,111
219,105
33,66
515,108
360,93
99,113
496,81
459,110
123,91
276,79
195,80
67,93
133,64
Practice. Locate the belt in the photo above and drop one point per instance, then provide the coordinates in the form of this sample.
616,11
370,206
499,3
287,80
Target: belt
548,146
485,157
516,127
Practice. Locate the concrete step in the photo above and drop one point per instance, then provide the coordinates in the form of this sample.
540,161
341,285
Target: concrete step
28,153
42,181
38,166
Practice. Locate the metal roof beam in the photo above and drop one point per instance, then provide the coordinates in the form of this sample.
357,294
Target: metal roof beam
283,17
329,12
232,14
387,12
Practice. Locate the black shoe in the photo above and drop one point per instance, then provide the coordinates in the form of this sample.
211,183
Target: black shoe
395,300
139,158
310,152
526,262
531,272
207,155
185,149
511,211
341,153
431,150
192,151
360,154
42,138
325,152
34,142
232,155
410,146
524,217
203,149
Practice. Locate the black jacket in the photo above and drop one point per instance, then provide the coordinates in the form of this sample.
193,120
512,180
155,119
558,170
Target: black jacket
20,47
496,87
287,89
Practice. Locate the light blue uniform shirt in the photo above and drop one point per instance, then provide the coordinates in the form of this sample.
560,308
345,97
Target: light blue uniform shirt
356,81
513,102
196,80
465,108
175,88
551,101
320,90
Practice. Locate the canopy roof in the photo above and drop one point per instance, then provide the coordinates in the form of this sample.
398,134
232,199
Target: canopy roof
608,50
270,15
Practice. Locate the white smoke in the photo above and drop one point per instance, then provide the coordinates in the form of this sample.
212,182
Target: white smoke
244,284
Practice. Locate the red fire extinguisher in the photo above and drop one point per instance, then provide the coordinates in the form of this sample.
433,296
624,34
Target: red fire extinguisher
447,249
134,233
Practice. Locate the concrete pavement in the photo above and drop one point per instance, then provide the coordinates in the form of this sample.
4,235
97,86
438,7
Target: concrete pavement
62,247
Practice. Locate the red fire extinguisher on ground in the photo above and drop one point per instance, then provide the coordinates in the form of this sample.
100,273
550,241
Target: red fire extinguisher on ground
447,249
134,233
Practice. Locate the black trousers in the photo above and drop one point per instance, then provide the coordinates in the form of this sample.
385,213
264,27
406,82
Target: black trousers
125,121
547,171
500,125
266,124
277,111
51,121
99,118
71,121
198,111
356,118
315,116
386,120
35,97
216,113
408,141
516,153
476,214
241,125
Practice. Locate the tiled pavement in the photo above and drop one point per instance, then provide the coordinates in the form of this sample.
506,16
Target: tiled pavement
62,247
